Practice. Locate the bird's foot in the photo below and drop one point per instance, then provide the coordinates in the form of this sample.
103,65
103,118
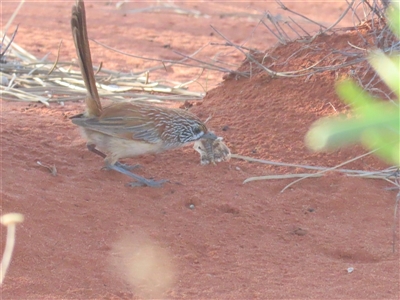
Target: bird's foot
140,181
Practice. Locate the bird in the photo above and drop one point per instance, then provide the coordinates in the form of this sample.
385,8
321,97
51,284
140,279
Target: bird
127,129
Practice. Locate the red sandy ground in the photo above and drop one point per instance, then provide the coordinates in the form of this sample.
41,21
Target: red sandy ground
241,241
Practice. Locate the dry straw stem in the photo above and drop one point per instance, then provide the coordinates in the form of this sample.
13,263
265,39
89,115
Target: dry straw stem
329,169
52,169
9,220
214,66
32,80
350,5
15,13
4,51
27,78
284,7
284,176
387,174
313,69
378,33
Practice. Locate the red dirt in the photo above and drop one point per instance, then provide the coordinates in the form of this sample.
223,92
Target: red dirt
240,241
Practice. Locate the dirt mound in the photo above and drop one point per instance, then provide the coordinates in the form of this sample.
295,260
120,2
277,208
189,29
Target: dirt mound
267,117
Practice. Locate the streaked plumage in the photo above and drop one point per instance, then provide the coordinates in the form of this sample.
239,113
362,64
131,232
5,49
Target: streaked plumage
127,129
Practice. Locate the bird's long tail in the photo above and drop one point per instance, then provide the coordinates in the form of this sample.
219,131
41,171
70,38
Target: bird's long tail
79,34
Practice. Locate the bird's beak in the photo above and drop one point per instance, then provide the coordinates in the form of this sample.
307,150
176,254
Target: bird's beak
209,136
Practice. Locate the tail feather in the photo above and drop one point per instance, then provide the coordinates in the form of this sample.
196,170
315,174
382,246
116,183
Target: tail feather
79,34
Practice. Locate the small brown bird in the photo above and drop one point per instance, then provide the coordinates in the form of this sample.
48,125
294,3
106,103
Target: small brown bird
126,129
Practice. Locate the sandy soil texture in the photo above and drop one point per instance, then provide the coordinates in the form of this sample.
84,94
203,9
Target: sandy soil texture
203,235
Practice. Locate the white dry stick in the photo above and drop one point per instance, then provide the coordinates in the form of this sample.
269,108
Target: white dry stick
329,169
15,13
9,220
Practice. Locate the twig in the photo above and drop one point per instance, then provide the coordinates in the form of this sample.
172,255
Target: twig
284,176
168,62
57,58
350,172
52,169
373,9
298,14
282,41
337,21
290,26
329,169
9,43
283,32
8,24
209,66
298,25
354,12
20,50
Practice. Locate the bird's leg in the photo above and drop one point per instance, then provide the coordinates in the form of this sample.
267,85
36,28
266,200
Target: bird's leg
140,181
92,148
127,167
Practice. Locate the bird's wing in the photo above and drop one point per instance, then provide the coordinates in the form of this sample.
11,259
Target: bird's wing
123,121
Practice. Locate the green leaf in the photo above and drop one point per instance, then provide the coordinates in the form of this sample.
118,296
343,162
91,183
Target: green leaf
385,141
388,68
374,123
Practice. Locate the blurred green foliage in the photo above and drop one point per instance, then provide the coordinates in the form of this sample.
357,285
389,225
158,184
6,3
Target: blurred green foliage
375,123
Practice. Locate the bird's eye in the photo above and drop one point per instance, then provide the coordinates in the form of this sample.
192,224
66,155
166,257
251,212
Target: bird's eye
196,130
